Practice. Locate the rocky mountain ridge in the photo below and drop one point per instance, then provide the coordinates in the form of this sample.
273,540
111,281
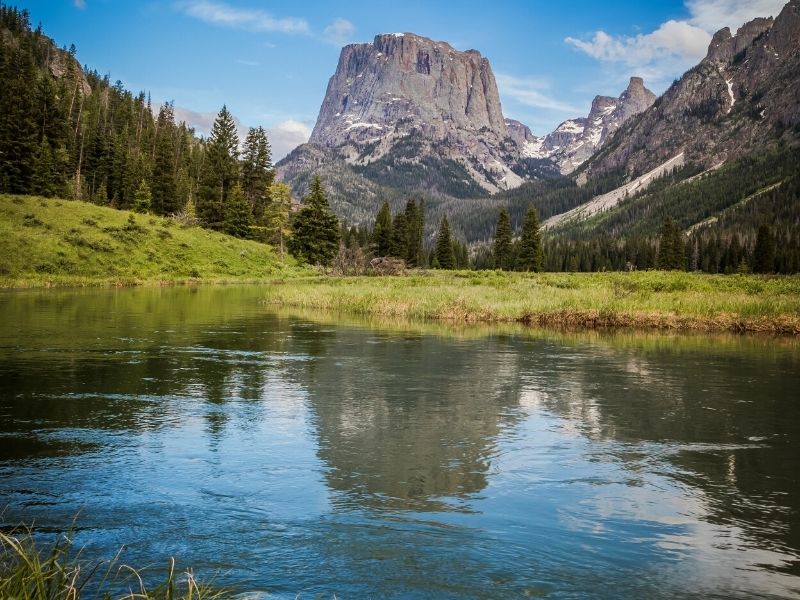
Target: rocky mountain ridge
575,140
742,97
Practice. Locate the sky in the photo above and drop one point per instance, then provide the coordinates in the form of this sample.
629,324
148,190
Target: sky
270,61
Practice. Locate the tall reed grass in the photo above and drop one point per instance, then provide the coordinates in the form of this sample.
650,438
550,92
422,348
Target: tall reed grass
58,572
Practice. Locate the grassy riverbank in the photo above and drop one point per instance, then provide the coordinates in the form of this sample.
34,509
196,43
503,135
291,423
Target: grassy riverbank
645,300
48,242
56,572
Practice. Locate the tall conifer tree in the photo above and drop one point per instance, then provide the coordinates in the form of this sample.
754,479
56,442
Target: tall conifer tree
315,236
399,236
445,258
257,172
382,233
530,256
164,187
220,170
502,241
238,214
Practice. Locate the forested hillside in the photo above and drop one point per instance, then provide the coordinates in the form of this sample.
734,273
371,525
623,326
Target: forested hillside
69,132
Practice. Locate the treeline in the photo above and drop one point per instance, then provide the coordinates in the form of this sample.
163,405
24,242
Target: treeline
70,133
768,250
402,236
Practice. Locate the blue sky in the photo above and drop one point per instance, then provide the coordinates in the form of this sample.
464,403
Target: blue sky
270,61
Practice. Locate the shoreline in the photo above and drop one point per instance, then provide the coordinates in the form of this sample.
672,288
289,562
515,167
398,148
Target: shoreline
646,300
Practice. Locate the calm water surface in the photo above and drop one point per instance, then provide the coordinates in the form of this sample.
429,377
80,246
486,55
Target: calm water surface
293,454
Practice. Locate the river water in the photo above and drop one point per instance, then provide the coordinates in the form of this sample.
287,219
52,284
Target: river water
284,454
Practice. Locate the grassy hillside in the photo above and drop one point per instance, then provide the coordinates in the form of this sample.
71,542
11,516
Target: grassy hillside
51,242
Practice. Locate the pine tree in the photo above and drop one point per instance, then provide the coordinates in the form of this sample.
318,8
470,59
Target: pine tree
164,186
220,170
277,214
382,233
502,241
42,182
531,254
257,172
445,259
415,225
671,251
143,199
238,215
315,228
764,252
399,247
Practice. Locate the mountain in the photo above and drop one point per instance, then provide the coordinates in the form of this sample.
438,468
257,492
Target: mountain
402,106
575,140
741,98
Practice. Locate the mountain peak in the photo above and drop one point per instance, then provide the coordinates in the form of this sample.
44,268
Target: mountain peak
406,88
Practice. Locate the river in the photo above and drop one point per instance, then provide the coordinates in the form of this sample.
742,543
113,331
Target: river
282,453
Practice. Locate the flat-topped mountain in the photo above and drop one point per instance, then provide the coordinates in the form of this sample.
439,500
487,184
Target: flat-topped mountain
403,99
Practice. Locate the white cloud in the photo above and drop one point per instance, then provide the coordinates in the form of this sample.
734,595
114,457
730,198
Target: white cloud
675,46
219,13
713,15
339,32
79,4
530,92
286,136
202,122
283,137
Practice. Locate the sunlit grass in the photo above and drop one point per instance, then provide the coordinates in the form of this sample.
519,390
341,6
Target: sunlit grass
57,572
651,300
46,242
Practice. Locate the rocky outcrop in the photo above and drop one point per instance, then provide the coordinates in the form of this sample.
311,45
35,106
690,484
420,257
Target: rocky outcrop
575,140
742,97
403,88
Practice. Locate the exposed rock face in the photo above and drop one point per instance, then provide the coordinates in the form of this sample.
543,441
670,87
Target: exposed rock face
741,97
403,88
402,82
575,140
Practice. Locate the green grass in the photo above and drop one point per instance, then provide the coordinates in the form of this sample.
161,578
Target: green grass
47,242
28,572
645,300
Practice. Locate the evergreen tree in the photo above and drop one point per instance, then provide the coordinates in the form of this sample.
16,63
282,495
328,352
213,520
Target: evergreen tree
671,251
382,232
143,199
238,214
502,241
531,254
42,178
164,185
315,228
764,252
257,172
277,215
220,170
399,247
445,258
416,226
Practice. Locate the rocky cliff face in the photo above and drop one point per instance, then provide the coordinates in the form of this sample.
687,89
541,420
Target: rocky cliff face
403,90
575,140
741,97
